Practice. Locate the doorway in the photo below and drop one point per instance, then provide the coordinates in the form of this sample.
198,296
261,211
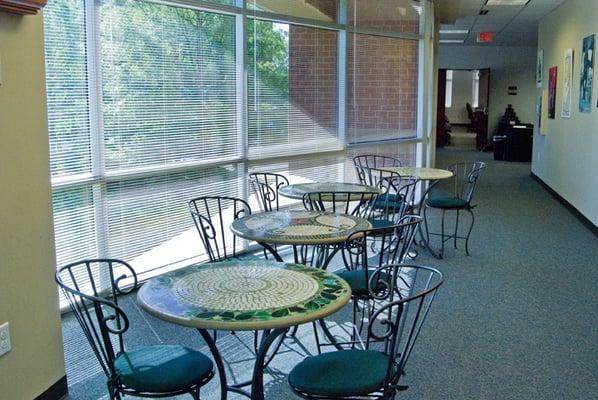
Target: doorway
462,109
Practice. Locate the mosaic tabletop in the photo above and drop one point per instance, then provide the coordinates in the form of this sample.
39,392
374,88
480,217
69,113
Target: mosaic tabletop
244,295
297,191
298,227
425,174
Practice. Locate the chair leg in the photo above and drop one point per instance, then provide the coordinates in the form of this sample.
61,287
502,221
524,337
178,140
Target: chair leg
469,233
426,225
456,230
442,234
195,394
317,337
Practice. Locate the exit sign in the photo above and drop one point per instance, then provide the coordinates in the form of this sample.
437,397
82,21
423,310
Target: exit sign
485,37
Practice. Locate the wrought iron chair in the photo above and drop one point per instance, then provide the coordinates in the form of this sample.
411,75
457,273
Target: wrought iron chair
362,257
266,185
212,216
375,371
92,288
465,180
373,161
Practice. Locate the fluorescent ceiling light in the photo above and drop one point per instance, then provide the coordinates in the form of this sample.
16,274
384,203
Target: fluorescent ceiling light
451,40
506,2
455,31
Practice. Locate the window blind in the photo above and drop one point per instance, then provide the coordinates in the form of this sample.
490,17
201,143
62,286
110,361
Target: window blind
292,89
67,89
168,85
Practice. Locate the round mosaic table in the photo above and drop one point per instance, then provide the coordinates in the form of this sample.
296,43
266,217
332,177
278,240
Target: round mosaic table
244,295
296,191
299,228
424,174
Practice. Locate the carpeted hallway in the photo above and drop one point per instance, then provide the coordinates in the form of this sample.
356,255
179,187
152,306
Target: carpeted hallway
515,320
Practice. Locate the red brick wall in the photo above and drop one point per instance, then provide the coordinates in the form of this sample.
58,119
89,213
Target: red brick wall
312,79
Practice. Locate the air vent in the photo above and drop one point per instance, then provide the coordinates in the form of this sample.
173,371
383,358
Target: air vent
483,12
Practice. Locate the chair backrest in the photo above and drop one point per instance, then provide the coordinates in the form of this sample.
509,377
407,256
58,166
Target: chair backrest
374,248
212,216
357,204
396,325
92,288
372,161
399,199
465,178
373,176
265,185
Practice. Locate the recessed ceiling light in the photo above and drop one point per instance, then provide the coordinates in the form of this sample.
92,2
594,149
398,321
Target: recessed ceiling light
455,31
506,2
451,41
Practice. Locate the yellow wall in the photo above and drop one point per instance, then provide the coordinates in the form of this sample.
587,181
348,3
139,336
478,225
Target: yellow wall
28,296
567,157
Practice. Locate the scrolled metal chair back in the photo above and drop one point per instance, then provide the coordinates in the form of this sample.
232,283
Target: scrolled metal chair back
396,325
212,216
400,196
372,161
357,204
373,249
91,288
465,178
266,185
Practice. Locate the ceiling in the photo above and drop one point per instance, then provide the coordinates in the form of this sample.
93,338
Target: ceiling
511,25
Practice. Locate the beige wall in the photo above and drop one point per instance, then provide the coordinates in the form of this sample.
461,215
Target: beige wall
28,296
567,157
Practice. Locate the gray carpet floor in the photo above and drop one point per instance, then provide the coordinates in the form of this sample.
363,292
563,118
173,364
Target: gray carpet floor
517,319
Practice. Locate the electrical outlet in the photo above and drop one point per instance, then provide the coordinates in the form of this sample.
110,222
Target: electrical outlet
4,339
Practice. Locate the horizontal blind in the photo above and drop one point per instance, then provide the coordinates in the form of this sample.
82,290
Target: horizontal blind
169,85
67,88
292,89
319,10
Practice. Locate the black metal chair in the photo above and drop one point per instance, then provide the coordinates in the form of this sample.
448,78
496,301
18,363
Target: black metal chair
212,216
362,257
92,288
373,161
465,179
375,371
266,185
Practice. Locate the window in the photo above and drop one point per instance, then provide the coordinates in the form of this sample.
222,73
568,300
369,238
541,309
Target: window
448,103
153,103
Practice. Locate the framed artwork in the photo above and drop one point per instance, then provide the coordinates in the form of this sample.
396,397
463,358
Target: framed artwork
540,68
587,71
552,91
568,80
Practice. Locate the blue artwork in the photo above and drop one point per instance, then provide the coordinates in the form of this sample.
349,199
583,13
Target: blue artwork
587,71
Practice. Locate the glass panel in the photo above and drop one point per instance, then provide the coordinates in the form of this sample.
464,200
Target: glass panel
389,15
148,222
292,89
169,85
320,10
382,88
66,86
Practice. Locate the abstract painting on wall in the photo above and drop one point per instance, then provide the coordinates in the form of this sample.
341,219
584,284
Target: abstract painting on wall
587,71
539,68
566,110
551,92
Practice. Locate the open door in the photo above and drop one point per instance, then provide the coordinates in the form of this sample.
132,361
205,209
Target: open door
441,137
483,107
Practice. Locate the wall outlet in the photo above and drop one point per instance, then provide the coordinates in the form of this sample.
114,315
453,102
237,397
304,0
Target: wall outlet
4,339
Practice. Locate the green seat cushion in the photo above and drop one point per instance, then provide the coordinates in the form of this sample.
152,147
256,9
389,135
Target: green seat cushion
447,202
394,201
162,368
340,373
358,283
380,223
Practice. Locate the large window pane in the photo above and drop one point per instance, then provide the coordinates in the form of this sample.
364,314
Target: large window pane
389,15
169,85
320,10
292,89
382,88
67,88
148,222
